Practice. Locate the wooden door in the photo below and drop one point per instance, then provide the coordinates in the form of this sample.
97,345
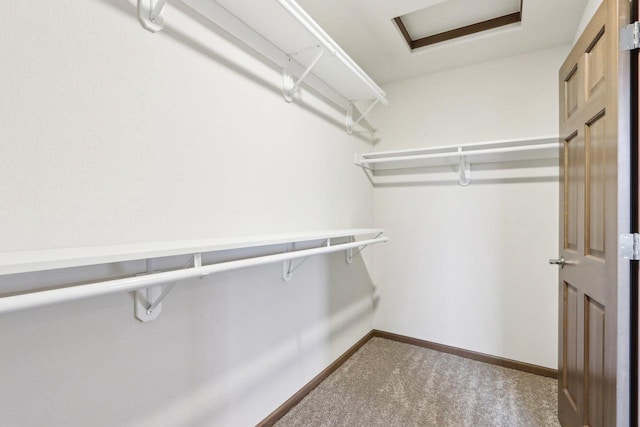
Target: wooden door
588,225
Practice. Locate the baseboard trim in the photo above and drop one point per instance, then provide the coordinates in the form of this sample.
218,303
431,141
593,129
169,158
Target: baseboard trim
272,418
468,354
280,412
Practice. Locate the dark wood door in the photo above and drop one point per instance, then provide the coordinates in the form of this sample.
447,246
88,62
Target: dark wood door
588,225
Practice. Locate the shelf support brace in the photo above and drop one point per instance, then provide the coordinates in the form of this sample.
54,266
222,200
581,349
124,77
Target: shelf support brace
464,169
350,123
150,14
350,253
288,86
147,310
287,266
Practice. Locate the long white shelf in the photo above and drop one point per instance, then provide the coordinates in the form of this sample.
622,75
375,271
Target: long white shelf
49,259
149,287
462,156
285,34
483,152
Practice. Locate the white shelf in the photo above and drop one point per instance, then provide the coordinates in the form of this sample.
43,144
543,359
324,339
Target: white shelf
462,156
49,259
153,286
285,34
484,152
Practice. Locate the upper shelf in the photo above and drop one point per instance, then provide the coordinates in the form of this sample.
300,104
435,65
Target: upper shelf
285,34
462,156
48,259
484,152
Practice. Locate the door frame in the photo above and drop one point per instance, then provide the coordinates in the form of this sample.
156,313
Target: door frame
627,206
634,138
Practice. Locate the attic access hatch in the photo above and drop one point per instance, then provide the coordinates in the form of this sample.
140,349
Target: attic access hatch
285,34
450,19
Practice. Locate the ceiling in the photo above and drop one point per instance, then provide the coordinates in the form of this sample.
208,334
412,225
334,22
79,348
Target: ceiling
366,31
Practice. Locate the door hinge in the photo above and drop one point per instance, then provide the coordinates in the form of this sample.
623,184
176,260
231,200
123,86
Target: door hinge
630,246
630,37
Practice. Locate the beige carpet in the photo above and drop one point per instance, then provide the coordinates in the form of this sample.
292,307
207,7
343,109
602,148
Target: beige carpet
387,383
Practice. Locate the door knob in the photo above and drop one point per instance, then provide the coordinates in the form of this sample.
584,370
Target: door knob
558,261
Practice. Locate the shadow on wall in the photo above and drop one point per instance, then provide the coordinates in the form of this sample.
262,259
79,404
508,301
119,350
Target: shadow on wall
130,9
226,350
304,342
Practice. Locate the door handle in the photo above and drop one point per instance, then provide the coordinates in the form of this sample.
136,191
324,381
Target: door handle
558,261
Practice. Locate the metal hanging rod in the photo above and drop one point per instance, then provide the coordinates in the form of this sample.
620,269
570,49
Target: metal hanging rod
55,296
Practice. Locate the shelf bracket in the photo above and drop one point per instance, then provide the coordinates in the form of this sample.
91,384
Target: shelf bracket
146,310
150,14
288,266
350,123
464,169
289,88
350,254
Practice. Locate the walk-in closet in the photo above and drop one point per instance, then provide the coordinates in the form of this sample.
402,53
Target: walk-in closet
234,213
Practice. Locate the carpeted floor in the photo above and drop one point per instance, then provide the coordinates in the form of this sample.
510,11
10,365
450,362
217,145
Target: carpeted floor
387,383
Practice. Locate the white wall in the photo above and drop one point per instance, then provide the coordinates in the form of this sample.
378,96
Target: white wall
467,266
111,134
589,10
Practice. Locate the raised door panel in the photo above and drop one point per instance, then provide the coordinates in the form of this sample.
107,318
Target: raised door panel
595,135
596,64
571,89
571,379
573,178
594,375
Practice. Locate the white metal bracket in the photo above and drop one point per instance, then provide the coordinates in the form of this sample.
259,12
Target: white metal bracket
287,270
144,298
150,14
350,123
288,266
464,169
630,246
149,300
289,87
630,37
350,254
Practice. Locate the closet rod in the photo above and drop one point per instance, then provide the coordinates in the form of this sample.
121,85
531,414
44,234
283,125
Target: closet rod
72,293
461,153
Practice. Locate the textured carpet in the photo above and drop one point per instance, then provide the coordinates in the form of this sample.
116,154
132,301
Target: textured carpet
387,383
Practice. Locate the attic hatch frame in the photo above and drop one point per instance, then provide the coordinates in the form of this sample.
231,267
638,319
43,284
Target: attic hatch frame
150,14
490,24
